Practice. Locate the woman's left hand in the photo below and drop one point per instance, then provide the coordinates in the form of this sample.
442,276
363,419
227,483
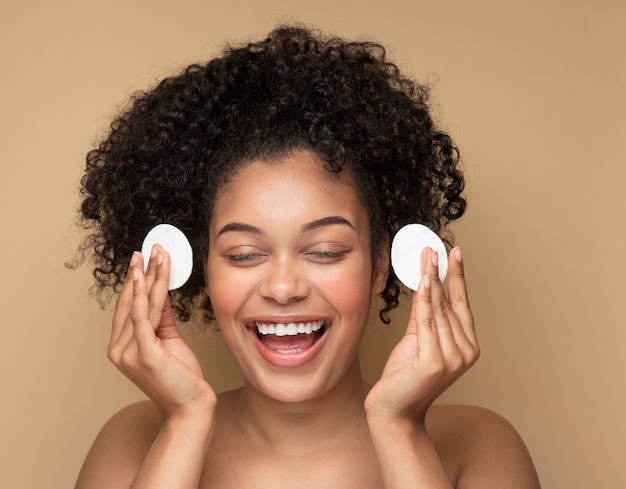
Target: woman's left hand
438,347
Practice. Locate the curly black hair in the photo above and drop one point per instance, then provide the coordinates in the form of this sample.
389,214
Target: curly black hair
169,152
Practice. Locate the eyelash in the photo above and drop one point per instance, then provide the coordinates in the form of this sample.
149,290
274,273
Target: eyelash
328,254
242,258
248,257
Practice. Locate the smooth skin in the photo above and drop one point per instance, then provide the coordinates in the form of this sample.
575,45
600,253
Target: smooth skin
316,424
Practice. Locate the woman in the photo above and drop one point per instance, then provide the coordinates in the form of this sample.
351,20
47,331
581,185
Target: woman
290,164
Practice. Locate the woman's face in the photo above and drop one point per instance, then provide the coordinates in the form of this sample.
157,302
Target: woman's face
290,274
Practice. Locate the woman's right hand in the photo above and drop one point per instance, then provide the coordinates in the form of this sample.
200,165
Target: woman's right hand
146,346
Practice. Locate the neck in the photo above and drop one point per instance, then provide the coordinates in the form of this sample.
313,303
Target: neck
302,427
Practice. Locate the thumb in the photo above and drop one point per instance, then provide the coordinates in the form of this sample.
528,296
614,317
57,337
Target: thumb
167,325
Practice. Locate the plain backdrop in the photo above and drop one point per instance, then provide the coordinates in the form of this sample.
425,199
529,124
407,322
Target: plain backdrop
532,91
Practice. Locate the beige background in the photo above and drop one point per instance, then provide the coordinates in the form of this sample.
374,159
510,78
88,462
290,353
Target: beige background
534,93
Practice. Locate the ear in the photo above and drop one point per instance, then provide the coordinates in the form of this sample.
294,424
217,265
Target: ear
205,270
380,270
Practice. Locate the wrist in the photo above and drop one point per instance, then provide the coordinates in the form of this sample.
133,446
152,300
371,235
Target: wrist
395,423
199,414
382,413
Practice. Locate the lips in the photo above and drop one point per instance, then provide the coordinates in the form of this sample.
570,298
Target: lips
288,343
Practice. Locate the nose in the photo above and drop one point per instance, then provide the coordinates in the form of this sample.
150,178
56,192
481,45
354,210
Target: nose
284,282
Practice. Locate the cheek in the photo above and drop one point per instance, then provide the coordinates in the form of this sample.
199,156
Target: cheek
226,289
349,290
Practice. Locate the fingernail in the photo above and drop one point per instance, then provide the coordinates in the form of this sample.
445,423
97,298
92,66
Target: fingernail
135,274
133,259
160,258
434,257
153,251
458,255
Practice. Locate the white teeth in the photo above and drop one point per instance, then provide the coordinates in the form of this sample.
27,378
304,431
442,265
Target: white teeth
289,329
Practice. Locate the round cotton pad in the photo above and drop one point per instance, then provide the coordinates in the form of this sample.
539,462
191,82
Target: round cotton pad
406,252
176,244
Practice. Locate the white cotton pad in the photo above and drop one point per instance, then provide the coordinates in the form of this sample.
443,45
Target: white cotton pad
176,244
406,253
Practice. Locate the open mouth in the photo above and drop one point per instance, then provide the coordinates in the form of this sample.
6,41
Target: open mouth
289,338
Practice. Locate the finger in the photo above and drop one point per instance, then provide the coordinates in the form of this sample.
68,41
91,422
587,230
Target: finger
124,301
125,344
149,297
459,301
158,296
458,350
419,297
412,326
442,314
143,330
428,347
153,263
167,327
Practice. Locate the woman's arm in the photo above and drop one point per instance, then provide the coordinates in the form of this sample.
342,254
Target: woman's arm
167,447
485,451
406,454
439,346
130,438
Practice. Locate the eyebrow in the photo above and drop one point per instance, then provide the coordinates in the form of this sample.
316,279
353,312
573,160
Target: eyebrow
326,221
240,227
309,226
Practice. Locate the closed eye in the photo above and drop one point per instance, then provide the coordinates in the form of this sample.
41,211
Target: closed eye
327,256
244,258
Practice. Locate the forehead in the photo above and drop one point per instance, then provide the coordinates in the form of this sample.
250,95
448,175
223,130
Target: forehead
295,186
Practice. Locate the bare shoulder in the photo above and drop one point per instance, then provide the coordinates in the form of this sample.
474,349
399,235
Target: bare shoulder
121,445
481,447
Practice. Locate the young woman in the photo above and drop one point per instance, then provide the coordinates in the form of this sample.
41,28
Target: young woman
290,164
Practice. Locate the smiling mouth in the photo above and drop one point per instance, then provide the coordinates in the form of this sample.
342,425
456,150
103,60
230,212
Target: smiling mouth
289,338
